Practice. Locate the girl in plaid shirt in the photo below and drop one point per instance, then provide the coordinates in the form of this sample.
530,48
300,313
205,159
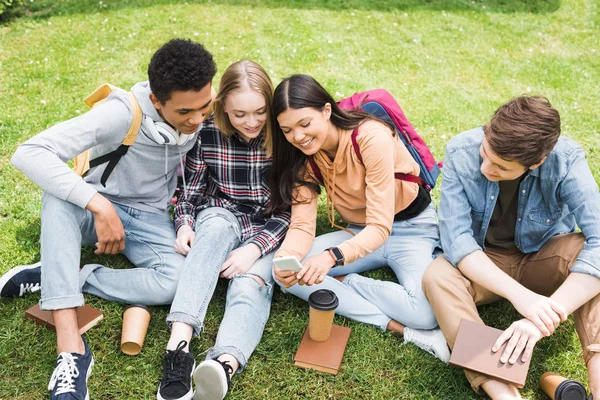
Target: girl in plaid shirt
223,230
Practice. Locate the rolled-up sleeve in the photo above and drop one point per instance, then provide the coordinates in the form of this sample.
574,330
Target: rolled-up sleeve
456,230
580,192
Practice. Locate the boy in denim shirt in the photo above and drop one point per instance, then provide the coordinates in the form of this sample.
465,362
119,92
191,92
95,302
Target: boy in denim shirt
513,193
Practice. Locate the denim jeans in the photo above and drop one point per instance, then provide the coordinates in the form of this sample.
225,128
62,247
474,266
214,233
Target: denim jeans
408,251
149,239
248,302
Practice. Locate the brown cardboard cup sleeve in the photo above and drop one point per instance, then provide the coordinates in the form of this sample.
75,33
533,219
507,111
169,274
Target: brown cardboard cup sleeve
135,325
322,303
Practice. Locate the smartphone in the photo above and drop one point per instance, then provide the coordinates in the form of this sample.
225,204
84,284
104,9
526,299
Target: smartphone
288,263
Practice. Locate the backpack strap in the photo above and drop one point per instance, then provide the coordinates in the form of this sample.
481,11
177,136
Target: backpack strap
397,175
114,156
315,169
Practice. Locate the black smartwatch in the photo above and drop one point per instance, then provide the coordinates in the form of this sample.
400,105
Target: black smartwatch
337,255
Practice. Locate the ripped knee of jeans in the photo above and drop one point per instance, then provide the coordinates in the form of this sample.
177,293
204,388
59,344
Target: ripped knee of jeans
259,280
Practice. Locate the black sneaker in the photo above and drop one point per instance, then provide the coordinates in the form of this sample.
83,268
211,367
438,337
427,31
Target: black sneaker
69,379
177,374
20,280
212,380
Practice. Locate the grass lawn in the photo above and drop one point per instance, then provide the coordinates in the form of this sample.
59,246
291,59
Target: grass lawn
449,63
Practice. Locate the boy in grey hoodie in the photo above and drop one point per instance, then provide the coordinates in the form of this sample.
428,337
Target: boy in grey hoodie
128,215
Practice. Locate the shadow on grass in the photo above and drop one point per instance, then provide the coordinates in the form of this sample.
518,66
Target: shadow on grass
46,8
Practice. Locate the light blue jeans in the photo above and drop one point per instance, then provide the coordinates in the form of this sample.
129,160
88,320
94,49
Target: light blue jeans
149,239
248,302
411,247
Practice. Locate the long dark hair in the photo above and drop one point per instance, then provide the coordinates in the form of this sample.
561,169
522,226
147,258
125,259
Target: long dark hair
289,162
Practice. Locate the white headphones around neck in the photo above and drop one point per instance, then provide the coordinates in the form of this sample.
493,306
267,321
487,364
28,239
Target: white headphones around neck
162,133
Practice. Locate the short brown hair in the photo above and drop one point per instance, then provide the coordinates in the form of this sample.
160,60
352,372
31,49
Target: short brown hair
524,130
238,76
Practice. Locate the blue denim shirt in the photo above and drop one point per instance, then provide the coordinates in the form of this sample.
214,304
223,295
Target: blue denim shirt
553,199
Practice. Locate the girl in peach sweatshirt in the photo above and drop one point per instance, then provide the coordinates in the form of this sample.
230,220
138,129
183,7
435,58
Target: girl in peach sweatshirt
391,222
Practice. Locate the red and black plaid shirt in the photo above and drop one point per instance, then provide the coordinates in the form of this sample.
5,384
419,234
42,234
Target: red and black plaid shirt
231,173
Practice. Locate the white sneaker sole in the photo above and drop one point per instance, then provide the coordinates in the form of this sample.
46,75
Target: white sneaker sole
89,372
210,381
12,272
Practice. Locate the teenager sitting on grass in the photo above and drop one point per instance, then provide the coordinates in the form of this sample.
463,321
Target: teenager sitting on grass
391,221
130,215
223,230
513,193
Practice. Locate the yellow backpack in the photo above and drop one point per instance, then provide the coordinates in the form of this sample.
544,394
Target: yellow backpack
82,161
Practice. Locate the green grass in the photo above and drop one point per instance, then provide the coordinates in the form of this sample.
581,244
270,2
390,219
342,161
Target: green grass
449,63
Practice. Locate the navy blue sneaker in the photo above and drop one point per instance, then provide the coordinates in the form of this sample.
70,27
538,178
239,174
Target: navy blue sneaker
69,379
178,366
21,280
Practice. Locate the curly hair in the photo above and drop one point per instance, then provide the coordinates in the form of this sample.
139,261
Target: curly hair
180,65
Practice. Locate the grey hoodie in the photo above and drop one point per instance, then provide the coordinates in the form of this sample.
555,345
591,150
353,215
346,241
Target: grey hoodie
145,178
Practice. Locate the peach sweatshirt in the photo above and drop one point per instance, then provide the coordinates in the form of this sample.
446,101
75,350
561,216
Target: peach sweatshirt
364,193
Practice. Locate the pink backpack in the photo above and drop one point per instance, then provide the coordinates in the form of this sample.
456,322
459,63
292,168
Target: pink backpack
382,105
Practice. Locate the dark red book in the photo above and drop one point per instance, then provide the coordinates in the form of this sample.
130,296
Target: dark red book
86,317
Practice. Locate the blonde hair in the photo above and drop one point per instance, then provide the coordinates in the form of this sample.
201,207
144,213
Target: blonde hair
238,76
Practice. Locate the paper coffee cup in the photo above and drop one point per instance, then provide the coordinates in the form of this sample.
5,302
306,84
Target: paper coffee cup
560,388
135,325
322,304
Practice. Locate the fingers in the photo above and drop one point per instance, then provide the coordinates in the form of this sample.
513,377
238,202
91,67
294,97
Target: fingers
528,350
99,248
300,274
286,277
523,340
548,322
309,276
320,278
510,347
559,309
540,325
226,264
181,246
504,336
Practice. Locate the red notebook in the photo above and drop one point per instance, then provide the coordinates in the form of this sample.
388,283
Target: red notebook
473,351
86,317
323,356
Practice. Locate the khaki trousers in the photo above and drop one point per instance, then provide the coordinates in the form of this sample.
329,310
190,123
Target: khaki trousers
453,296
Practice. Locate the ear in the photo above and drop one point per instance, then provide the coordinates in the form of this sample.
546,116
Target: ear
327,111
155,101
538,164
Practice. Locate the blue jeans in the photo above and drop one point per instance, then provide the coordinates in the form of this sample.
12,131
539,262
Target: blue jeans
408,251
149,239
248,302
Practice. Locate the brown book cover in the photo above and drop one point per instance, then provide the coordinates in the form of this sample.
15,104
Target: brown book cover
86,317
473,351
323,356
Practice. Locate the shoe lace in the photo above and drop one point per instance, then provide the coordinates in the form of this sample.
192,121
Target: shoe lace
63,377
419,341
228,368
174,365
28,288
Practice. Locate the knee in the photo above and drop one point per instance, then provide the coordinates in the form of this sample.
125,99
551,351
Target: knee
215,223
52,206
436,274
249,285
426,318
166,290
